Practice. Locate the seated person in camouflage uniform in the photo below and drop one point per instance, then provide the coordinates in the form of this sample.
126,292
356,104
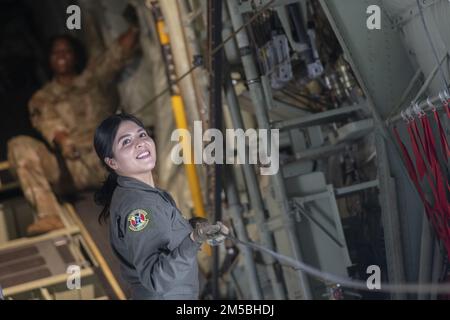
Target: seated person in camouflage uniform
66,111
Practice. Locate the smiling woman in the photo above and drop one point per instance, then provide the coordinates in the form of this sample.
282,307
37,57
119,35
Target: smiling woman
134,153
156,246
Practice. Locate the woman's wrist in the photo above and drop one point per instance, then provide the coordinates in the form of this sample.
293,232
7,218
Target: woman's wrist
191,235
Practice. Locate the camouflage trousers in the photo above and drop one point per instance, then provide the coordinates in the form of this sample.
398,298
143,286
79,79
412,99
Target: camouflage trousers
40,173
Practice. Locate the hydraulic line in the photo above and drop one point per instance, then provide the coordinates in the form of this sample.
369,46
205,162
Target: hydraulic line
179,114
195,66
260,104
255,197
237,212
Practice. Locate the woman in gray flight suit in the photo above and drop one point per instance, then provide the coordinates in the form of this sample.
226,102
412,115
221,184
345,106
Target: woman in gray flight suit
156,246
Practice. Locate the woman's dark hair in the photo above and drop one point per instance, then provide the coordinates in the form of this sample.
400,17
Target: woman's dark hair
103,144
78,51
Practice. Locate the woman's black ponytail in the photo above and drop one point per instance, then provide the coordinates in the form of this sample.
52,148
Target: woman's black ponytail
103,142
103,196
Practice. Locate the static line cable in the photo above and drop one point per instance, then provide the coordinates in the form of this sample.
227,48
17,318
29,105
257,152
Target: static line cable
345,282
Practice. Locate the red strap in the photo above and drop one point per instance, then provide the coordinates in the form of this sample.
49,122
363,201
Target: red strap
436,169
420,165
434,214
418,136
428,140
444,144
447,108
441,199
434,177
408,162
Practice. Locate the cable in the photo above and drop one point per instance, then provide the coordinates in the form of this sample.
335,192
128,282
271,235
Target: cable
431,44
346,282
168,88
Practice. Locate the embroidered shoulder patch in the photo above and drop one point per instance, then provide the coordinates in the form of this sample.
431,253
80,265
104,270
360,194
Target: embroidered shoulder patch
138,219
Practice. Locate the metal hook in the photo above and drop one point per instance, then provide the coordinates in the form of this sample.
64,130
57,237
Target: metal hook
431,105
402,114
444,96
447,97
418,110
408,113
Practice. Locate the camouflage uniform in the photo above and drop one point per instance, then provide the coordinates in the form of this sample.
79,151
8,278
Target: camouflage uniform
75,109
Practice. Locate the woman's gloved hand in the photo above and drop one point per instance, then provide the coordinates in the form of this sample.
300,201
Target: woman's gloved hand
219,237
205,231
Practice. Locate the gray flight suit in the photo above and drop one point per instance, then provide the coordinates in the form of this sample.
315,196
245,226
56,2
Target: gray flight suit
151,239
